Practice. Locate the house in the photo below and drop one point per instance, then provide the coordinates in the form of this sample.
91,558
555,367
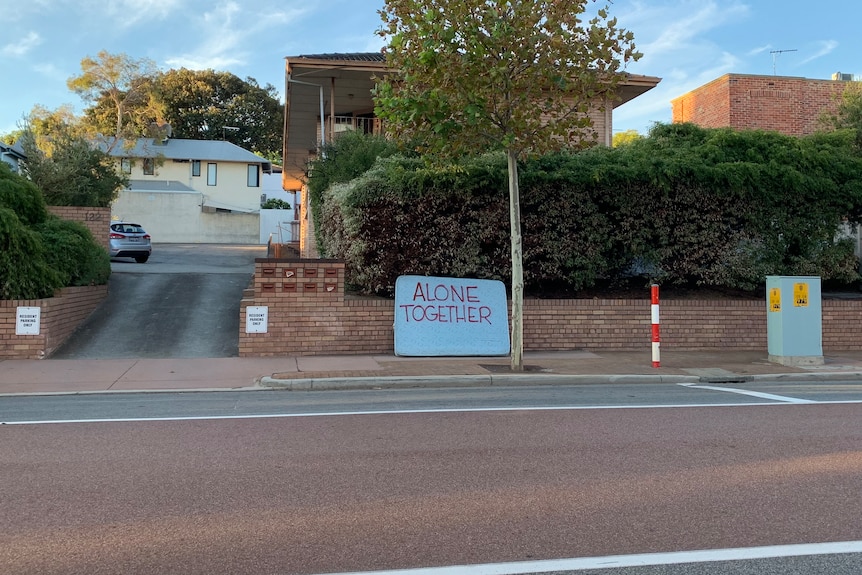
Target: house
785,104
12,154
337,89
191,191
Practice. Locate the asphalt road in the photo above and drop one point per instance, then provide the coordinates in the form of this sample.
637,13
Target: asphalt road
184,302
349,491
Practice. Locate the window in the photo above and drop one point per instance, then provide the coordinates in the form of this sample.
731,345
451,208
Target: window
253,176
211,174
196,167
126,165
149,166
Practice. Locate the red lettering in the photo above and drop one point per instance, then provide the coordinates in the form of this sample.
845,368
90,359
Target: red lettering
485,314
470,296
417,293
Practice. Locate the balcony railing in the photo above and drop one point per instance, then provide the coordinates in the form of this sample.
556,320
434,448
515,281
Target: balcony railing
362,124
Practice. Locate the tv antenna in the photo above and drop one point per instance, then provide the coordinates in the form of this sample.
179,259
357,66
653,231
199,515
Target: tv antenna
775,54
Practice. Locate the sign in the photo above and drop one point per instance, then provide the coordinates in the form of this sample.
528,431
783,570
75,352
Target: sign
256,319
437,316
775,299
800,295
28,320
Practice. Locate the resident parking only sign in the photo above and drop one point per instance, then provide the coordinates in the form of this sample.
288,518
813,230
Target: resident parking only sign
28,320
438,316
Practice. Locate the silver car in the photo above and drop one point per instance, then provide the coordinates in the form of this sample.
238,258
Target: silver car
128,240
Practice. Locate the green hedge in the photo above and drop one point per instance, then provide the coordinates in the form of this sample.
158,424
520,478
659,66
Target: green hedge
684,206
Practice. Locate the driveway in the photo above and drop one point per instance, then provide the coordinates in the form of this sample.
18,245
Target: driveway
184,302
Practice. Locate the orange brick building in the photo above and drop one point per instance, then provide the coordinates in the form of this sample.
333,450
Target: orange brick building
785,104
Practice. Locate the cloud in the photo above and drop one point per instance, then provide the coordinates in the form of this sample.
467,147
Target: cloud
826,47
231,34
21,47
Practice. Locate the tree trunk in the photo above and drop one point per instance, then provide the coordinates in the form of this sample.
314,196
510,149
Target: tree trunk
517,264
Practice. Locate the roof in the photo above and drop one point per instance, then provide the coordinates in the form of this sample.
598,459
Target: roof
343,57
159,186
178,149
13,149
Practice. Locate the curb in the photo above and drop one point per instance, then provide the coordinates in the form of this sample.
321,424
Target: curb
508,380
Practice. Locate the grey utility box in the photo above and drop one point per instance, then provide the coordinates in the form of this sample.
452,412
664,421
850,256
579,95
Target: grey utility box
794,320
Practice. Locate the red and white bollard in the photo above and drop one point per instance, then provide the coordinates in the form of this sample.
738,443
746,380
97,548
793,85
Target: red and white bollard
656,338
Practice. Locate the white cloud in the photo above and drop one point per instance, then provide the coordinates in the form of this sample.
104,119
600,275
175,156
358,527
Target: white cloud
22,46
825,47
231,33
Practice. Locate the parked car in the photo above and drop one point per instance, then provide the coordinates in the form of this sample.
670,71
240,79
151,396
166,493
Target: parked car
128,240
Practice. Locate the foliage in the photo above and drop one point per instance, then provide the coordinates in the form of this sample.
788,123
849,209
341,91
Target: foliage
685,206
498,74
69,249
276,204
21,196
65,165
24,273
349,156
199,104
849,113
627,137
38,252
123,81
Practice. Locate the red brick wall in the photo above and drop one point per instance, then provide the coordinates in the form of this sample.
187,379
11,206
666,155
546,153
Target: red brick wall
61,315
306,317
97,220
784,104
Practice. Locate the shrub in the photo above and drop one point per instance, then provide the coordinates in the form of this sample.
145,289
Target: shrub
21,196
24,272
71,250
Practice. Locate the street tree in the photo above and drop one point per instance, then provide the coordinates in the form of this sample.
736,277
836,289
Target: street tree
516,75
123,81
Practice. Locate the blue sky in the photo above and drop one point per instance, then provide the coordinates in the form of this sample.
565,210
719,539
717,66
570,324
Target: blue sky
685,42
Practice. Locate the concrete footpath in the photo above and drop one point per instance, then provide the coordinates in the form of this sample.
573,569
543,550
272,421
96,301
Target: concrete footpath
51,376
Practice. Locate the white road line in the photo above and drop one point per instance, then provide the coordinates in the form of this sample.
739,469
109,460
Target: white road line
413,411
759,394
622,561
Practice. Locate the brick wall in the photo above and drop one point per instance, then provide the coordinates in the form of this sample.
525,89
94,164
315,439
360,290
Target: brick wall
60,316
784,104
97,220
310,315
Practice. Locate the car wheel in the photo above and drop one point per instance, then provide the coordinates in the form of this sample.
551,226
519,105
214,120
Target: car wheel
142,259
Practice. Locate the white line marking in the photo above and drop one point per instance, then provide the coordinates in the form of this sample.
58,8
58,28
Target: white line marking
409,412
622,561
759,394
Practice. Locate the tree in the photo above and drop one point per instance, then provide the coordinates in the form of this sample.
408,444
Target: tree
517,75
627,137
123,81
199,104
849,113
64,163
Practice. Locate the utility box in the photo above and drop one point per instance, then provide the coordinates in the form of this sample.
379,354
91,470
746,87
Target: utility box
794,320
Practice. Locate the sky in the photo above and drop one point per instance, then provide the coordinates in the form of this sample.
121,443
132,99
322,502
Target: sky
687,43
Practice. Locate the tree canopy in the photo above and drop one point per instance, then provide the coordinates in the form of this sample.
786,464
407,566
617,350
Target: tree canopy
517,75
200,105
123,81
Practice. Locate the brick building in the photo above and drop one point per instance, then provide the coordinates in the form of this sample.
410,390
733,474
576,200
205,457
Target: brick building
790,105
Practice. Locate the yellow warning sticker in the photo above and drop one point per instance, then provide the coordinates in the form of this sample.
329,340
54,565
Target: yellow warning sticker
775,299
800,295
